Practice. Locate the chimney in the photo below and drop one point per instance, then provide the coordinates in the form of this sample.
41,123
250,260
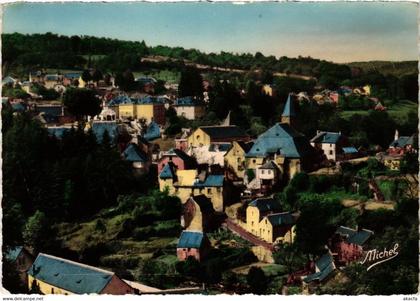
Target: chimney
397,135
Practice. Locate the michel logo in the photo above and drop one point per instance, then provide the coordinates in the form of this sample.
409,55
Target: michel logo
375,257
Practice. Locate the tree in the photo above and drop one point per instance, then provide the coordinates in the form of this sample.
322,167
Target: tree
35,232
191,83
125,80
257,280
86,76
82,102
97,75
289,256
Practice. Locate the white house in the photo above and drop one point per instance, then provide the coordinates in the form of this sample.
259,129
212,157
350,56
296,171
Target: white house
189,108
331,143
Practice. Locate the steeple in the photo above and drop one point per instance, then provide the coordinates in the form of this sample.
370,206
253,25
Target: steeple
289,114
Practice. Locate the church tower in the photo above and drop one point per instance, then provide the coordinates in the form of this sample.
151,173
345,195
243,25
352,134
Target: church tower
289,114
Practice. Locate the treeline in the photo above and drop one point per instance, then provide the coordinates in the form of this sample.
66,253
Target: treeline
52,50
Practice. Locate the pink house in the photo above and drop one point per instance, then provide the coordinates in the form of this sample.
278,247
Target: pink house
347,244
180,159
192,244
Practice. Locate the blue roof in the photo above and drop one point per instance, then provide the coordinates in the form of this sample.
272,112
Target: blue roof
349,150
152,132
58,132
190,239
52,77
326,137
281,139
20,107
353,236
211,181
133,154
69,275
121,99
279,219
325,264
403,141
50,110
187,101
72,75
289,107
150,100
145,80
13,253
99,129
167,172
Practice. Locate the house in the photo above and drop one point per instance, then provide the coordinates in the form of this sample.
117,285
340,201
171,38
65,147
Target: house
397,149
21,259
147,84
123,106
323,268
50,80
139,159
150,109
181,160
71,78
198,214
152,131
54,275
212,154
347,244
268,175
379,107
8,80
331,143
278,227
350,152
365,90
184,183
257,210
192,244
189,108
107,114
206,135
234,158
181,142
269,90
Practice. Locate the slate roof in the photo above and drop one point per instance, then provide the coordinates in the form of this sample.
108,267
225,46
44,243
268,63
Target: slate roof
182,155
265,204
133,154
69,275
190,239
403,141
281,139
211,181
325,265
350,150
289,107
246,146
269,165
152,132
354,236
220,132
18,106
99,129
167,172
13,253
121,99
72,75
149,100
51,77
204,203
50,110
326,137
280,219
223,147
146,80
187,101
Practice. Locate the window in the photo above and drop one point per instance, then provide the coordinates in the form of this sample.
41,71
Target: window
52,290
239,160
331,152
262,171
252,223
253,161
209,190
197,137
218,189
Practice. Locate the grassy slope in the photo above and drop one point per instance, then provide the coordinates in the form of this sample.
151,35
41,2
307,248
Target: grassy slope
386,67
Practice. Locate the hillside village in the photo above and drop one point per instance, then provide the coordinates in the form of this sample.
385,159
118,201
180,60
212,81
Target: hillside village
175,194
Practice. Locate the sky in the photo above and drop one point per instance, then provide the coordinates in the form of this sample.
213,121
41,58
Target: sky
339,32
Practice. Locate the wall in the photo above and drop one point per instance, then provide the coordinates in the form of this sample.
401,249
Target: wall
263,254
252,220
235,158
126,111
175,159
198,138
184,253
117,287
46,288
144,111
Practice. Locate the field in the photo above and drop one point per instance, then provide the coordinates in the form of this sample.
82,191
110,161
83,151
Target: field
398,112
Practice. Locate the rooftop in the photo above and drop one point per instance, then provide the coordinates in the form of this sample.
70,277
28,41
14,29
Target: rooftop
326,137
221,131
190,239
354,236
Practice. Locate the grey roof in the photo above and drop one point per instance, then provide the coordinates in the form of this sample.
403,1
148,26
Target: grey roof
325,265
190,161
326,137
269,165
283,140
353,236
69,275
403,141
204,203
134,154
220,132
281,219
265,204
13,253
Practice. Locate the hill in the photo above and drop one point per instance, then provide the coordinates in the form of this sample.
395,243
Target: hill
397,69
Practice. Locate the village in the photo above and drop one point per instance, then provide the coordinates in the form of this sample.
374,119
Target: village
226,180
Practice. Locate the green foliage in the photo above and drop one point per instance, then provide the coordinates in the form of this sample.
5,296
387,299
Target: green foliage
9,91
290,256
257,280
82,102
190,84
35,232
47,94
